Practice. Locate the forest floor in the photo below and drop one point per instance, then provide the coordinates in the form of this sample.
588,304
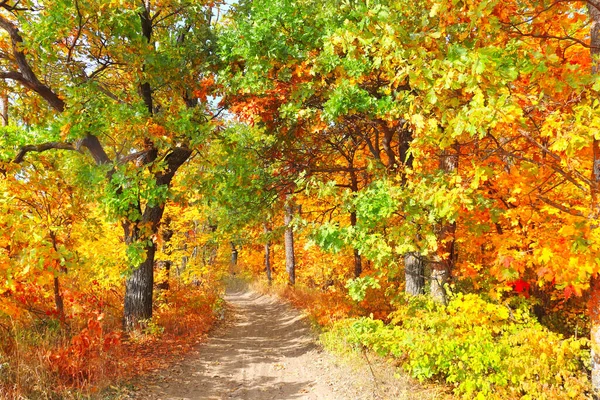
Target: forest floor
265,349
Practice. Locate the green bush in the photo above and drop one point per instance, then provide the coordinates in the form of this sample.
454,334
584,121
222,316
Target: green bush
484,350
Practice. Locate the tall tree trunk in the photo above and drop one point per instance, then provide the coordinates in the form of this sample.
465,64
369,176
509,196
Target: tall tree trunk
444,260
414,272
357,257
210,249
139,286
268,255
58,297
290,258
234,258
58,300
594,300
138,292
353,222
414,267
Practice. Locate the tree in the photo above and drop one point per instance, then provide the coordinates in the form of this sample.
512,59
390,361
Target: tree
47,208
128,82
290,253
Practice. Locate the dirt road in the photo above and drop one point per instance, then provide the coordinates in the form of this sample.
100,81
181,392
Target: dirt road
264,350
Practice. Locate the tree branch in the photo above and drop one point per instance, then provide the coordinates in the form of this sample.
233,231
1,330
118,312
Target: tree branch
560,206
90,142
26,76
39,148
144,88
554,37
174,159
95,148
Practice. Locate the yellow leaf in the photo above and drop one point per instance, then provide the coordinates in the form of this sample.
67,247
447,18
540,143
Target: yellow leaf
418,121
546,255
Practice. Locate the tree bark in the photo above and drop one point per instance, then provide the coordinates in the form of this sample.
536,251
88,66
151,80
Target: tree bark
444,260
210,249
290,258
439,278
138,293
167,234
234,258
386,143
414,267
58,297
139,286
357,257
166,266
406,158
58,300
268,255
353,222
414,274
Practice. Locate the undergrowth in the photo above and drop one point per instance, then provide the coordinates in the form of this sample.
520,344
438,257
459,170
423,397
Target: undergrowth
483,350
42,358
323,307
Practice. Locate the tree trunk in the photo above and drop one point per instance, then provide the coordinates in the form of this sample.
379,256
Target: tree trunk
166,266
414,274
167,234
210,249
404,142
357,258
183,265
414,267
290,260
58,297
439,278
139,286
58,300
594,301
444,260
353,220
138,292
268,255
234,258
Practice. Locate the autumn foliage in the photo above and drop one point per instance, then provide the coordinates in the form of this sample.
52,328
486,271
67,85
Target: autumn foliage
429,169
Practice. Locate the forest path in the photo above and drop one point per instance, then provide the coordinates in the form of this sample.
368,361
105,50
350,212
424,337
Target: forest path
265,350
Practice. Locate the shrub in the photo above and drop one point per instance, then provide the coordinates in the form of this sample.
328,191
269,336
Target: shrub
484,350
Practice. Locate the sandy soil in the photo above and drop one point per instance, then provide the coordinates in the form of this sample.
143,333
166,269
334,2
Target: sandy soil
265,350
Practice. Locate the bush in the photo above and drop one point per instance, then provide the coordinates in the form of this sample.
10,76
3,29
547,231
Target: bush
484,350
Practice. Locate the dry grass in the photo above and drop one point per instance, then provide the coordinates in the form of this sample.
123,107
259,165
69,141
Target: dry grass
41,359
